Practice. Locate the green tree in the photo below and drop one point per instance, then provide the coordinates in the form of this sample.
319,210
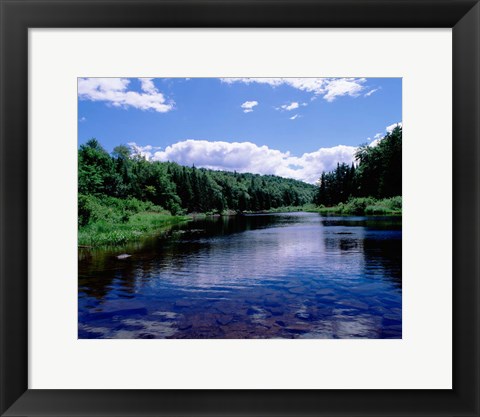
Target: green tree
96,171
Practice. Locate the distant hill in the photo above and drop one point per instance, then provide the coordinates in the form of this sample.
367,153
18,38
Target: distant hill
181,189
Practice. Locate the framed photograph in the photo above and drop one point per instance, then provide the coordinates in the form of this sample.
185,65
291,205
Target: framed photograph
236,208
176,239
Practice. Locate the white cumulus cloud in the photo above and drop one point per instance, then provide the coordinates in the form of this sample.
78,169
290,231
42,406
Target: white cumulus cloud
344,86
393,126
249,157
292,106
294,117
114,91
148,86
328,88
248,106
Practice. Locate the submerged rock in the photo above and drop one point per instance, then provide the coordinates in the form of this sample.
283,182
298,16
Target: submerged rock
296,329
303,315
276,311
118,308
146,336
223,320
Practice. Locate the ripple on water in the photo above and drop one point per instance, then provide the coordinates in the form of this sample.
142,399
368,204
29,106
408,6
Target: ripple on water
273,276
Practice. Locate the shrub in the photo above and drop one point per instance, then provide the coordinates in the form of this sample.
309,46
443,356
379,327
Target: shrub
93,209
357,205
365,205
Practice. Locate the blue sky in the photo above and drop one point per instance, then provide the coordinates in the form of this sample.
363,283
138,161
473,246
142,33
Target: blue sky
294,127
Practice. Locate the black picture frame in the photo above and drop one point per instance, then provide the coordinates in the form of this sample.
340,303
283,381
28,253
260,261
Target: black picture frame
17,16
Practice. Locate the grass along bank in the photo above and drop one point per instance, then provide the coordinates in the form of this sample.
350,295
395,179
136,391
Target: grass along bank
139,225
109,221
365,206
285,209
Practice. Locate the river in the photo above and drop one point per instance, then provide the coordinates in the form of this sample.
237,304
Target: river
289,275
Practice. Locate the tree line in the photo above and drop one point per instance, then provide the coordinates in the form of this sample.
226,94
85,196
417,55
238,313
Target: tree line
182,189
377,173
137,183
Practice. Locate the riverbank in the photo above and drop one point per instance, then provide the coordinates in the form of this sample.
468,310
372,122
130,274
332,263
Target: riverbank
365,206
117,232
138,226
109,228
110,221
285,209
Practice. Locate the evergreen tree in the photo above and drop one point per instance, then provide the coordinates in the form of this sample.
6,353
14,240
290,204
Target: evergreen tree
378,173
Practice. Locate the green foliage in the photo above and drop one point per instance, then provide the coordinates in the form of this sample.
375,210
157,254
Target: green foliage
378,175
288,209
365,205
336,186
123,197
103,233
92,209
177,188
113,221
96,173
357,205
379,171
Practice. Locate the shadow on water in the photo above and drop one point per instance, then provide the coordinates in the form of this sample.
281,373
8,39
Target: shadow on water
292,275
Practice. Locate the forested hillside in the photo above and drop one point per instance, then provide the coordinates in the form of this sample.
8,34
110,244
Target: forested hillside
180,189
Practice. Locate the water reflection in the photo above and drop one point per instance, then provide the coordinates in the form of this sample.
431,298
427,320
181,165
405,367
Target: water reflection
261,276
